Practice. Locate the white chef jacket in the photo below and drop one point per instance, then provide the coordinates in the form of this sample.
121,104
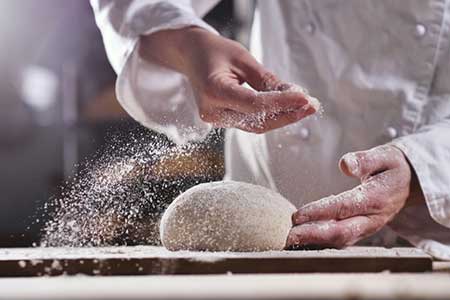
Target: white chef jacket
381,70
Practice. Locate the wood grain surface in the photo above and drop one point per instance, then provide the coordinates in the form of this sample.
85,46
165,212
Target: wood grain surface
146,260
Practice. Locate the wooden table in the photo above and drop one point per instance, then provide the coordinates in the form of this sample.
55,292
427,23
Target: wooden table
146,260
430,280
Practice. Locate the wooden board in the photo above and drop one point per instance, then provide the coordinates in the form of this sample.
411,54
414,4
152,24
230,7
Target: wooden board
144,260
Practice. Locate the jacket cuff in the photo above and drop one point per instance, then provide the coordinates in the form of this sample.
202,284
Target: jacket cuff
157,97
163,16
432,177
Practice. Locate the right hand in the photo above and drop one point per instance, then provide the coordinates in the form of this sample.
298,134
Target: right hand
217,67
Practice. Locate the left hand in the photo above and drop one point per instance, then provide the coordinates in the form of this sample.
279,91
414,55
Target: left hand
342,220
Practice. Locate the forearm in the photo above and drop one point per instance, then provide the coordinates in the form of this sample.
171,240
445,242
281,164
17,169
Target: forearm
166,47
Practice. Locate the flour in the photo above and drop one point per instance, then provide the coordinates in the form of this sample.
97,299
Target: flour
119,195
312,102
257,120
22,264
115,198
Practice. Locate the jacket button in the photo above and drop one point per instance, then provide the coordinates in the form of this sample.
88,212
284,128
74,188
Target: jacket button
391,132
310,28
421,30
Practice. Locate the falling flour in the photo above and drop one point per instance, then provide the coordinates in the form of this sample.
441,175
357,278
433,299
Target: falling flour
118,196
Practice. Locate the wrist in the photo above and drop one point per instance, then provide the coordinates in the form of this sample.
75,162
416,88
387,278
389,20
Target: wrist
416,196
168,47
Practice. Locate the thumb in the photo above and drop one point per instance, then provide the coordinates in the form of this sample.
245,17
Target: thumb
363,164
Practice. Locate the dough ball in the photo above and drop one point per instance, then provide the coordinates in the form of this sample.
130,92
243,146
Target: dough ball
227,216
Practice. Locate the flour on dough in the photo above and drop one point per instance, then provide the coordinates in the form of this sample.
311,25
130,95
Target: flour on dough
227,216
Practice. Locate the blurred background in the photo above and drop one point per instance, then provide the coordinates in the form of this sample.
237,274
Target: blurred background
58,108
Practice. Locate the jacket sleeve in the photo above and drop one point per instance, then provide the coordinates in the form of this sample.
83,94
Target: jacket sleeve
428,226
155,96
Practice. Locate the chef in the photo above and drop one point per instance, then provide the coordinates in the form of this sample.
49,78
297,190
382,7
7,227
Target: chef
378,156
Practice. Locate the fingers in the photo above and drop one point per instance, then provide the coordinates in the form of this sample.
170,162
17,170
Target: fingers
259,123
371,197
364,164
284,119
254,112
241,99
341,220
271,95
387,189
224,102
252,72
347,204
262,80
335,234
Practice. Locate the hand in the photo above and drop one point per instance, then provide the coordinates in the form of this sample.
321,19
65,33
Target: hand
342,220
217,67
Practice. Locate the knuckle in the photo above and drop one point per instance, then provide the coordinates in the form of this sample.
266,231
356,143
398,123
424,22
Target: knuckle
392,150
215,84
376,203
269,80
239,54
344,210
238,47
344,204
342,238
364,162
400,181
376,206
336,237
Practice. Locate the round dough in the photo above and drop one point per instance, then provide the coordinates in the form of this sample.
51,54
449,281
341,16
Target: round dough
227,216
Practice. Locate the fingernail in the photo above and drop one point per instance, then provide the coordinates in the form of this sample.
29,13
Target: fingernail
313,102
352,163
300,219
291,240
